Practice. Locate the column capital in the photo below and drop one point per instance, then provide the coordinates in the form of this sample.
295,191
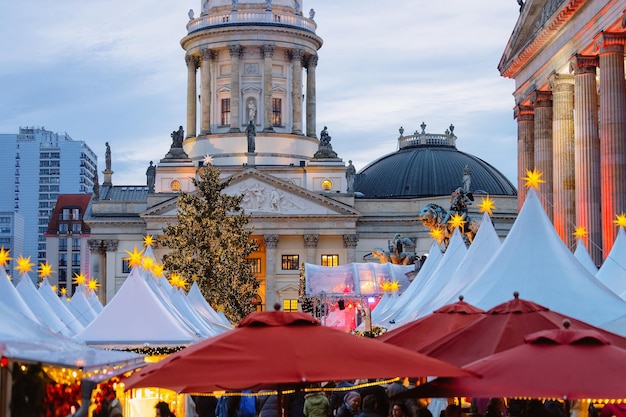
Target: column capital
95,245
267,51
561,82
583,64
350,241
206,54
310,241
540,98
235,50
271,241
311,61
607,42
192,61
524,113
296,54
110,245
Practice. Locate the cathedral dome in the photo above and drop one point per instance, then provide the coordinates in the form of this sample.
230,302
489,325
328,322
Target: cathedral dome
428,165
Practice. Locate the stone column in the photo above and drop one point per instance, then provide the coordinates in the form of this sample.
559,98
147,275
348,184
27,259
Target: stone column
235,53
612,133
349,242
205,90
192,64
311,65
271,243
95,270
310,246
564,190
110,248
296,56
542,102
587,152
268,53
525,116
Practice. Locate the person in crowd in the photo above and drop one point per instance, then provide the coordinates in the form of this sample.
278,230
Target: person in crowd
399,409
296,403
351,406
336,397
453,410
267,406
496,408
205,405
370,407
163,410
316,404
382,399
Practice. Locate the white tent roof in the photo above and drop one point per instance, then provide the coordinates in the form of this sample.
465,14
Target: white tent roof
429,266
385,303
354,279
94,302
485,244
179,299
80,307
455,253
582,254
200,304
135,317
12,299
612,273
534,261
40,307
59,307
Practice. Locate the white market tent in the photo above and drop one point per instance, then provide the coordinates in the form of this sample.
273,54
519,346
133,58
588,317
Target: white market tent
200,304
59,307
353,280
135,317
612,273
80,306
12,299
534,261
582,254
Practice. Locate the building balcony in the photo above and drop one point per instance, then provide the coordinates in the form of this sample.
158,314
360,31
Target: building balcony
251,18
426,139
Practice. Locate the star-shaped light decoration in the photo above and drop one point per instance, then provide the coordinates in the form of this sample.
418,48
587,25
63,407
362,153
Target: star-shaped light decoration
24,265
134,257
386,286
54,288
457,220
486,205
147,263
177,281
395,286
580,232
63,291
533,178
92,284
45,269
157,269
620,220
4,256
148,240
79,279
436,234
208,160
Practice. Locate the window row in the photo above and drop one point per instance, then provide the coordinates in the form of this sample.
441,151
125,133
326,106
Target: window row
277,112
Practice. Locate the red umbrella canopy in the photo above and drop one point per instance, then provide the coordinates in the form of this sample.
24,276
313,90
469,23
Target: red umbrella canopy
568,364
503,327
426,330
278,350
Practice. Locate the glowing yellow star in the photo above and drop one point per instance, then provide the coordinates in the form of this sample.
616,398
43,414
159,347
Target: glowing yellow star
92,284
486,205
54,288
580,232
456,220
157,270
436,234
177,281
4,256
134,257
24,265
79,279
620,220
395,286
45,269
208,160
533,178
148,240
147,262
63,291
386,286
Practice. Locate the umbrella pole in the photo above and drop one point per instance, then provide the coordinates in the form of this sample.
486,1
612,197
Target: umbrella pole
3,391
279,402
566,407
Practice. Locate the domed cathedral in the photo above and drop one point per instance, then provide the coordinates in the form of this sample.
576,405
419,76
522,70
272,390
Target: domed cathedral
251,112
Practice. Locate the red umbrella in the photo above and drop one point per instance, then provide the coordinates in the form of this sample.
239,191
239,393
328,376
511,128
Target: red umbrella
426,330
567,363
278,350
503,327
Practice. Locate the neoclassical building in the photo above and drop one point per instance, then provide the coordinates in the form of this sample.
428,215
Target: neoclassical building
567,60
251,97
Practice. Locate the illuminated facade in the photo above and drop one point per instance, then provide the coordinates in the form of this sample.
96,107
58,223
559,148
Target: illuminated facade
567,60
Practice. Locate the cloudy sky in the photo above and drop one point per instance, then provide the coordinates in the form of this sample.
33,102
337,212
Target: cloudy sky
114,71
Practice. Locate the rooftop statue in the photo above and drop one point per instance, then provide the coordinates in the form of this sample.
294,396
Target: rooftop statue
325,150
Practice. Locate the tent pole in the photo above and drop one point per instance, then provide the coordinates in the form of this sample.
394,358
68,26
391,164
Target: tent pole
3,391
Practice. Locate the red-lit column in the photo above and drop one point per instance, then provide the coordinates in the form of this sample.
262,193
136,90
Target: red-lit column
192,64
525,117
542,102
564,190
587,152
612,131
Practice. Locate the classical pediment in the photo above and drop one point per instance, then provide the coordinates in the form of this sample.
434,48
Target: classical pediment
266,195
